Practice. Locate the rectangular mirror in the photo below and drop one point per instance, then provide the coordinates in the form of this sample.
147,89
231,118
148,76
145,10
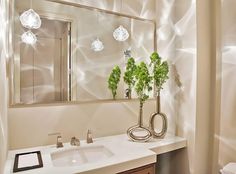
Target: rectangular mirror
75,51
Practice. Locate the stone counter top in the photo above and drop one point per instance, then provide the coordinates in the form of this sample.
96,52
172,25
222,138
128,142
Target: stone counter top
126,155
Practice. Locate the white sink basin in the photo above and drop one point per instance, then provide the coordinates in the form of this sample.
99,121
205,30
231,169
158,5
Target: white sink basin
76,156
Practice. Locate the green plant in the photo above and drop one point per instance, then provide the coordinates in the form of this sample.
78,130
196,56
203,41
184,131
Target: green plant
155,58
113,80
143,82
129,78
160,70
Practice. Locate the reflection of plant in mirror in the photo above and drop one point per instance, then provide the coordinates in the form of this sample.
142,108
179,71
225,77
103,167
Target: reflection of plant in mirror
129,78
160,70
143,82
113,80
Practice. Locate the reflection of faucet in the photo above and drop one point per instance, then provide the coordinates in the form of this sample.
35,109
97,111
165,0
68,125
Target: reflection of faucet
89,137
59,139
127,53
75,141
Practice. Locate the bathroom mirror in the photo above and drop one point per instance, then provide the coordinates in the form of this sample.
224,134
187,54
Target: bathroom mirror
74,52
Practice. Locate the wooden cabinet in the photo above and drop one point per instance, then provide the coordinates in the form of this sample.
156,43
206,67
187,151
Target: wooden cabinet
148,169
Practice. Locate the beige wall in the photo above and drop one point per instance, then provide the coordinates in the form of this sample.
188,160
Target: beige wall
177,40
31,126
3,86
188,37
186,64
227,133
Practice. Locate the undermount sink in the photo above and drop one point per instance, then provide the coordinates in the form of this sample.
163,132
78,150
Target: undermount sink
76,156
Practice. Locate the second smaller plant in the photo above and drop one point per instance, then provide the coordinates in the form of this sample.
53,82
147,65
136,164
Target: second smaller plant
113,80
129,78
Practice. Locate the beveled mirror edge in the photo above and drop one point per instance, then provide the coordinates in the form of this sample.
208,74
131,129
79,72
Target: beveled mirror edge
10,63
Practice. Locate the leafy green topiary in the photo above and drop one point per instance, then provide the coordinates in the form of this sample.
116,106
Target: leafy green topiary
143,82
113,80
155,58
129,78
160,70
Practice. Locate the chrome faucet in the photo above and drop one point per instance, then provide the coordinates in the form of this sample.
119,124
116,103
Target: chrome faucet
75,141
59,143
89,137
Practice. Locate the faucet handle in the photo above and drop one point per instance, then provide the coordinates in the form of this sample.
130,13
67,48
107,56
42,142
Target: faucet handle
59,139
75,141
89,137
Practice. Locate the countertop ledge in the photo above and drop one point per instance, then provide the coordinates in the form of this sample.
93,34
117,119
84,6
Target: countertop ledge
127,155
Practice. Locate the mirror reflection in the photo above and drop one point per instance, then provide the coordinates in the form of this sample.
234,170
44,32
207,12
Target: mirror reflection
68,52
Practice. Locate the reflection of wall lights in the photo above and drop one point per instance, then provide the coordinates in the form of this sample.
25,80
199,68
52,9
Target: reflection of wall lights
97,45
29,38
30,19
120,34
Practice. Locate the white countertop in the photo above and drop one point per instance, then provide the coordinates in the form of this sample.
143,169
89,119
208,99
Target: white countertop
127,155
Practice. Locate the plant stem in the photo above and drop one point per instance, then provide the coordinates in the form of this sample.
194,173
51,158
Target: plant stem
140,121
158,103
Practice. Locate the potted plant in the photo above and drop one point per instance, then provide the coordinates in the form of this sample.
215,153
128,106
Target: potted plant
142,87
113,80
160,71
129,78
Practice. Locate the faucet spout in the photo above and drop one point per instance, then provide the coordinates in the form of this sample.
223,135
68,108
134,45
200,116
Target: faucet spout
75,141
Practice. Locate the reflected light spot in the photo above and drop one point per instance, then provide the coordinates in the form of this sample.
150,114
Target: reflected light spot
178,31
80,75
228,54
164,32
183,24
188,50
161,35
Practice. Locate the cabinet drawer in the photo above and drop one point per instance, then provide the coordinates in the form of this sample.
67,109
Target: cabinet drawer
148,169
